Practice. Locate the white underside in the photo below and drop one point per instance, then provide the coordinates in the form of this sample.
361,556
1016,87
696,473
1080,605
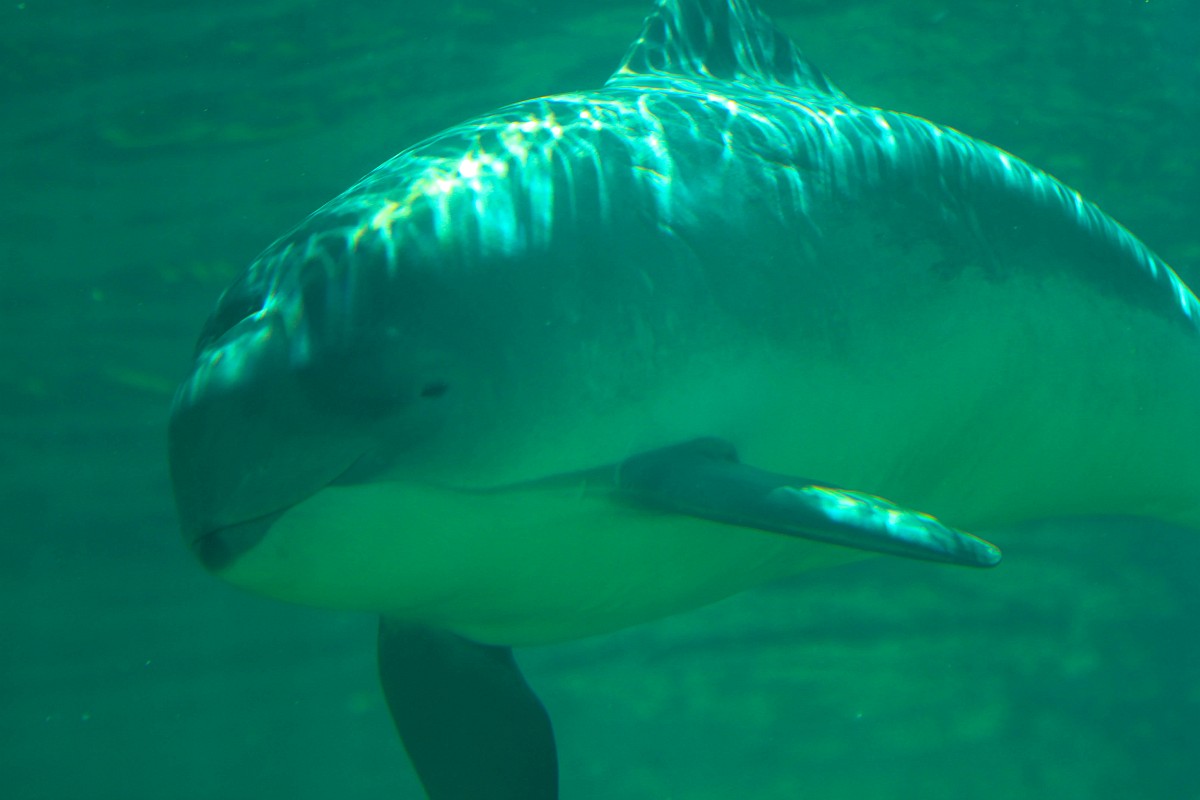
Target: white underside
516,568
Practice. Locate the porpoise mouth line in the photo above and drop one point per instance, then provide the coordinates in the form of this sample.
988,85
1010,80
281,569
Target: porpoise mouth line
220,546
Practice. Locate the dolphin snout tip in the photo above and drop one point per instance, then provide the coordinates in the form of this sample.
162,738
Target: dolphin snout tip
218,548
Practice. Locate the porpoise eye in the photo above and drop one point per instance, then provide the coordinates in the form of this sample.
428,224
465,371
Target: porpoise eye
434,389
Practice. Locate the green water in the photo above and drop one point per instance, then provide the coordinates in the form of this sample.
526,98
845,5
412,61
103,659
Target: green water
151,149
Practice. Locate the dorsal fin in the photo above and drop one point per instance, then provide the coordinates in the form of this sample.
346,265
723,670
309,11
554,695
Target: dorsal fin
723,39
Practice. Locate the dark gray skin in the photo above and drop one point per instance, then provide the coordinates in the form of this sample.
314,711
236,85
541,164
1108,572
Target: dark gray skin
561,369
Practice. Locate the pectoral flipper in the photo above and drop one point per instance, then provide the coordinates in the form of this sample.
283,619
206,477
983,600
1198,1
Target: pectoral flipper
704,478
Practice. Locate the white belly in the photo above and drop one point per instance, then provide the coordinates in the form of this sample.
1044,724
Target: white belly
514,568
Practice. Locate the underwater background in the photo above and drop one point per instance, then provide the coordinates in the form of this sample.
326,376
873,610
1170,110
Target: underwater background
148,150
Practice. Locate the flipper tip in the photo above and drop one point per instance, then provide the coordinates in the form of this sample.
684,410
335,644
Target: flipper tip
983,554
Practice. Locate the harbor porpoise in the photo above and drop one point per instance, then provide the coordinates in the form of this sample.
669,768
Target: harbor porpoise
600,357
